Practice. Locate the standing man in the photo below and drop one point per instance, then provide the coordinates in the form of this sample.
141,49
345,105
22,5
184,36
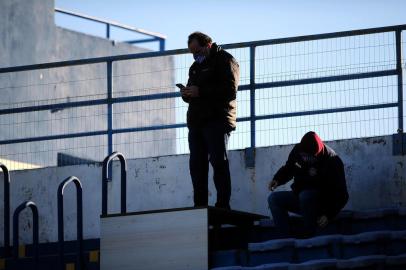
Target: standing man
319,189
211,93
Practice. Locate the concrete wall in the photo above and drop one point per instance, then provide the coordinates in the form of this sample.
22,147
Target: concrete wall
375,179
30,36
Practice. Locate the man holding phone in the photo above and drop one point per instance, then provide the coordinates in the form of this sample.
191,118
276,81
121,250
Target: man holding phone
211,93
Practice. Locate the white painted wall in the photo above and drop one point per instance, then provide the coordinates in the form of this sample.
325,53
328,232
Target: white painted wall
375,179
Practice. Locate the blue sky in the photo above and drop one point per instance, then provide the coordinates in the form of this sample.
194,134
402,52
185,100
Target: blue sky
229,21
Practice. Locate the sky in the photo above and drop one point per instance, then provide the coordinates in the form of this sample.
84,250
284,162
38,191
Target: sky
230,21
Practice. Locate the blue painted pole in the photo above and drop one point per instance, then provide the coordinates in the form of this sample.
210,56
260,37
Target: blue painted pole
400,78
252,95
107,30
161,44
109,108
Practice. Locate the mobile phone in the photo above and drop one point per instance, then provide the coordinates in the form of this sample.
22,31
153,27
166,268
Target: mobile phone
180,86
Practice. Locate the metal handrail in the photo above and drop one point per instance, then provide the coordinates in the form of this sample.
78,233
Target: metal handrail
79,221
156,36
105,175
116,24
121,57
252,86
6,210
35,232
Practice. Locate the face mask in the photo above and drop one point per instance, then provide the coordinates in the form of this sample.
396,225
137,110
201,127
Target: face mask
199,58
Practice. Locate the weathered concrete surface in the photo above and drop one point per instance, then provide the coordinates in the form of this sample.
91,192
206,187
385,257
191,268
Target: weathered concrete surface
30,36
375,179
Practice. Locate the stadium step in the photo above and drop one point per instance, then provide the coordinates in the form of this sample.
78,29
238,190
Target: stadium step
325,247
357,263
353,239
347,222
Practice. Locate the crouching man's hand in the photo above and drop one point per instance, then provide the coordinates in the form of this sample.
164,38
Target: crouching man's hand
273,184
322,221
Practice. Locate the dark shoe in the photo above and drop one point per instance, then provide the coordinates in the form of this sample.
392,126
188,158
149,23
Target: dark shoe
224,206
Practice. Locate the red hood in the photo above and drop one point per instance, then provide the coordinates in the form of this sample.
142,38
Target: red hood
311,143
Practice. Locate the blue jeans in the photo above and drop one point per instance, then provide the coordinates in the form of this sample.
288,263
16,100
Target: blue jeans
306,204
209,144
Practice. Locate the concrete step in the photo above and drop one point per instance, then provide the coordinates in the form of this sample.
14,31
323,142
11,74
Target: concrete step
347,222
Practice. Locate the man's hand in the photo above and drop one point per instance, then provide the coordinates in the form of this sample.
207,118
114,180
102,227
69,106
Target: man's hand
273,184
190,91
322,221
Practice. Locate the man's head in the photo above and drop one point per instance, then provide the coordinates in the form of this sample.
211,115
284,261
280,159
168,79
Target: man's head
311,144
199,44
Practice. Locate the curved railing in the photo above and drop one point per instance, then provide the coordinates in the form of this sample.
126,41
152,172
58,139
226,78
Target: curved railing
79,220
6,210
105,179
35,232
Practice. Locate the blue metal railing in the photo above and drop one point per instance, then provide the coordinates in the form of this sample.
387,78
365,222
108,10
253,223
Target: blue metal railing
153,36
400,77
252,86
79,222
35,230
6,210
105,177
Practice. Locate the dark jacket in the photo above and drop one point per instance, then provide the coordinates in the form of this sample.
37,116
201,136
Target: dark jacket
324,172
217,78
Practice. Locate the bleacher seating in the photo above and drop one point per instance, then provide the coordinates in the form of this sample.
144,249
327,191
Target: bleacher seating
280,250
322,247
363,262
364,244
373,239
350,242
395,262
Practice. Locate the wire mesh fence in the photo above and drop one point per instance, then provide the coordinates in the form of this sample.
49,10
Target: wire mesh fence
341,85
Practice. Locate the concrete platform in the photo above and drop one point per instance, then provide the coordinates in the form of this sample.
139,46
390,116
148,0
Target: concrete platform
164,239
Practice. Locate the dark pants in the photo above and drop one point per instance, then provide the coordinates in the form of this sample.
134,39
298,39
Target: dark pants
306,204
209,143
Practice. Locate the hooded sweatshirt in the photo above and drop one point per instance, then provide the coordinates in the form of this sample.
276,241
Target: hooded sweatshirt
314,165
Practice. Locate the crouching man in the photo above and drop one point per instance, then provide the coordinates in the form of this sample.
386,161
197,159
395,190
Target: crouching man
319,189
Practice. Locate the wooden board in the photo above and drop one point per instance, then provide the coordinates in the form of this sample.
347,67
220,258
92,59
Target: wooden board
163,240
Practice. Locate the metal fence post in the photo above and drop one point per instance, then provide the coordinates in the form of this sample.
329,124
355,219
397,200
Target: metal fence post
399,142
252,94
110,147
400,77
109,107
250,152
107,30
161,44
